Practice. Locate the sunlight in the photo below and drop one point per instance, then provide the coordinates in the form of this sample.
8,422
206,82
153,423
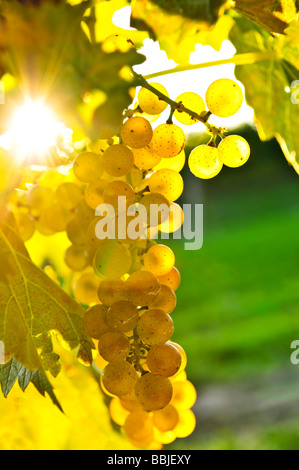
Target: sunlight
33,131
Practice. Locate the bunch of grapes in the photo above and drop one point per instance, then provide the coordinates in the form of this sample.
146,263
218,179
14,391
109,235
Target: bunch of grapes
128,284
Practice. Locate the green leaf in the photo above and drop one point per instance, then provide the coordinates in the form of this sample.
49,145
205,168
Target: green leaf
12,371
267,82
33,307
261,12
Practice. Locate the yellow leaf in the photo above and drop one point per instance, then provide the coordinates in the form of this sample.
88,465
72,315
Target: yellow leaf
32,306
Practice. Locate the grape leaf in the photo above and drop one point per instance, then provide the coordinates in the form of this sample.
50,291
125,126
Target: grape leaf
12,371
262,13
179,25
267,82
33,307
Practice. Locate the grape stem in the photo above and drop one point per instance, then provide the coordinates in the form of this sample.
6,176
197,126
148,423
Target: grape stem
203,118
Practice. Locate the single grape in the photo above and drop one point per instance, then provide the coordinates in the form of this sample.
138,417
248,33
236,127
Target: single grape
184,395
114,346
69,195
151,103
167,419
174,163
155,327
139,428
123,316
172,279
224,97
166,300
58,218
174,221
118,160
86,288
39,199
94,193
164,359
159,260
137,132
112,259
117,412
186,424
168,140
157,208
95,321
26,226
77,231
119,378
234,151
153,392
88,167
111,291
117,189
204,162
76,258
167,182
192,101
145,158
142,288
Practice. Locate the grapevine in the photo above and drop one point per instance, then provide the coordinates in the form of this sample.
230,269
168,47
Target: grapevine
128,285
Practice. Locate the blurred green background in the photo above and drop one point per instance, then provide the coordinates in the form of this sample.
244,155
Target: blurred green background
237,312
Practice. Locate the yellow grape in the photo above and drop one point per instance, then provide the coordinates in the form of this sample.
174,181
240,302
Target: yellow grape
93,241
42,225
172,279
137,132
155,327
168,140
117,412
194,103
94,193
151,103
26,226
224,97
69,195
119,378
167,419
123,316
111,291
175,220
114,346
117,189
167,182
117,42
204,162
166,300
164,359
184,395
178,375
157,208
58,218
86,288
95,321
39,199
153,392
76,258
159,260
145,158
234,151
118,160
112,259
139,428
186,424
76,231
174,163
88,167
142,288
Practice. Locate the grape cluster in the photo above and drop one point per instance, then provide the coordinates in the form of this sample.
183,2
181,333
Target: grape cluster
128,284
